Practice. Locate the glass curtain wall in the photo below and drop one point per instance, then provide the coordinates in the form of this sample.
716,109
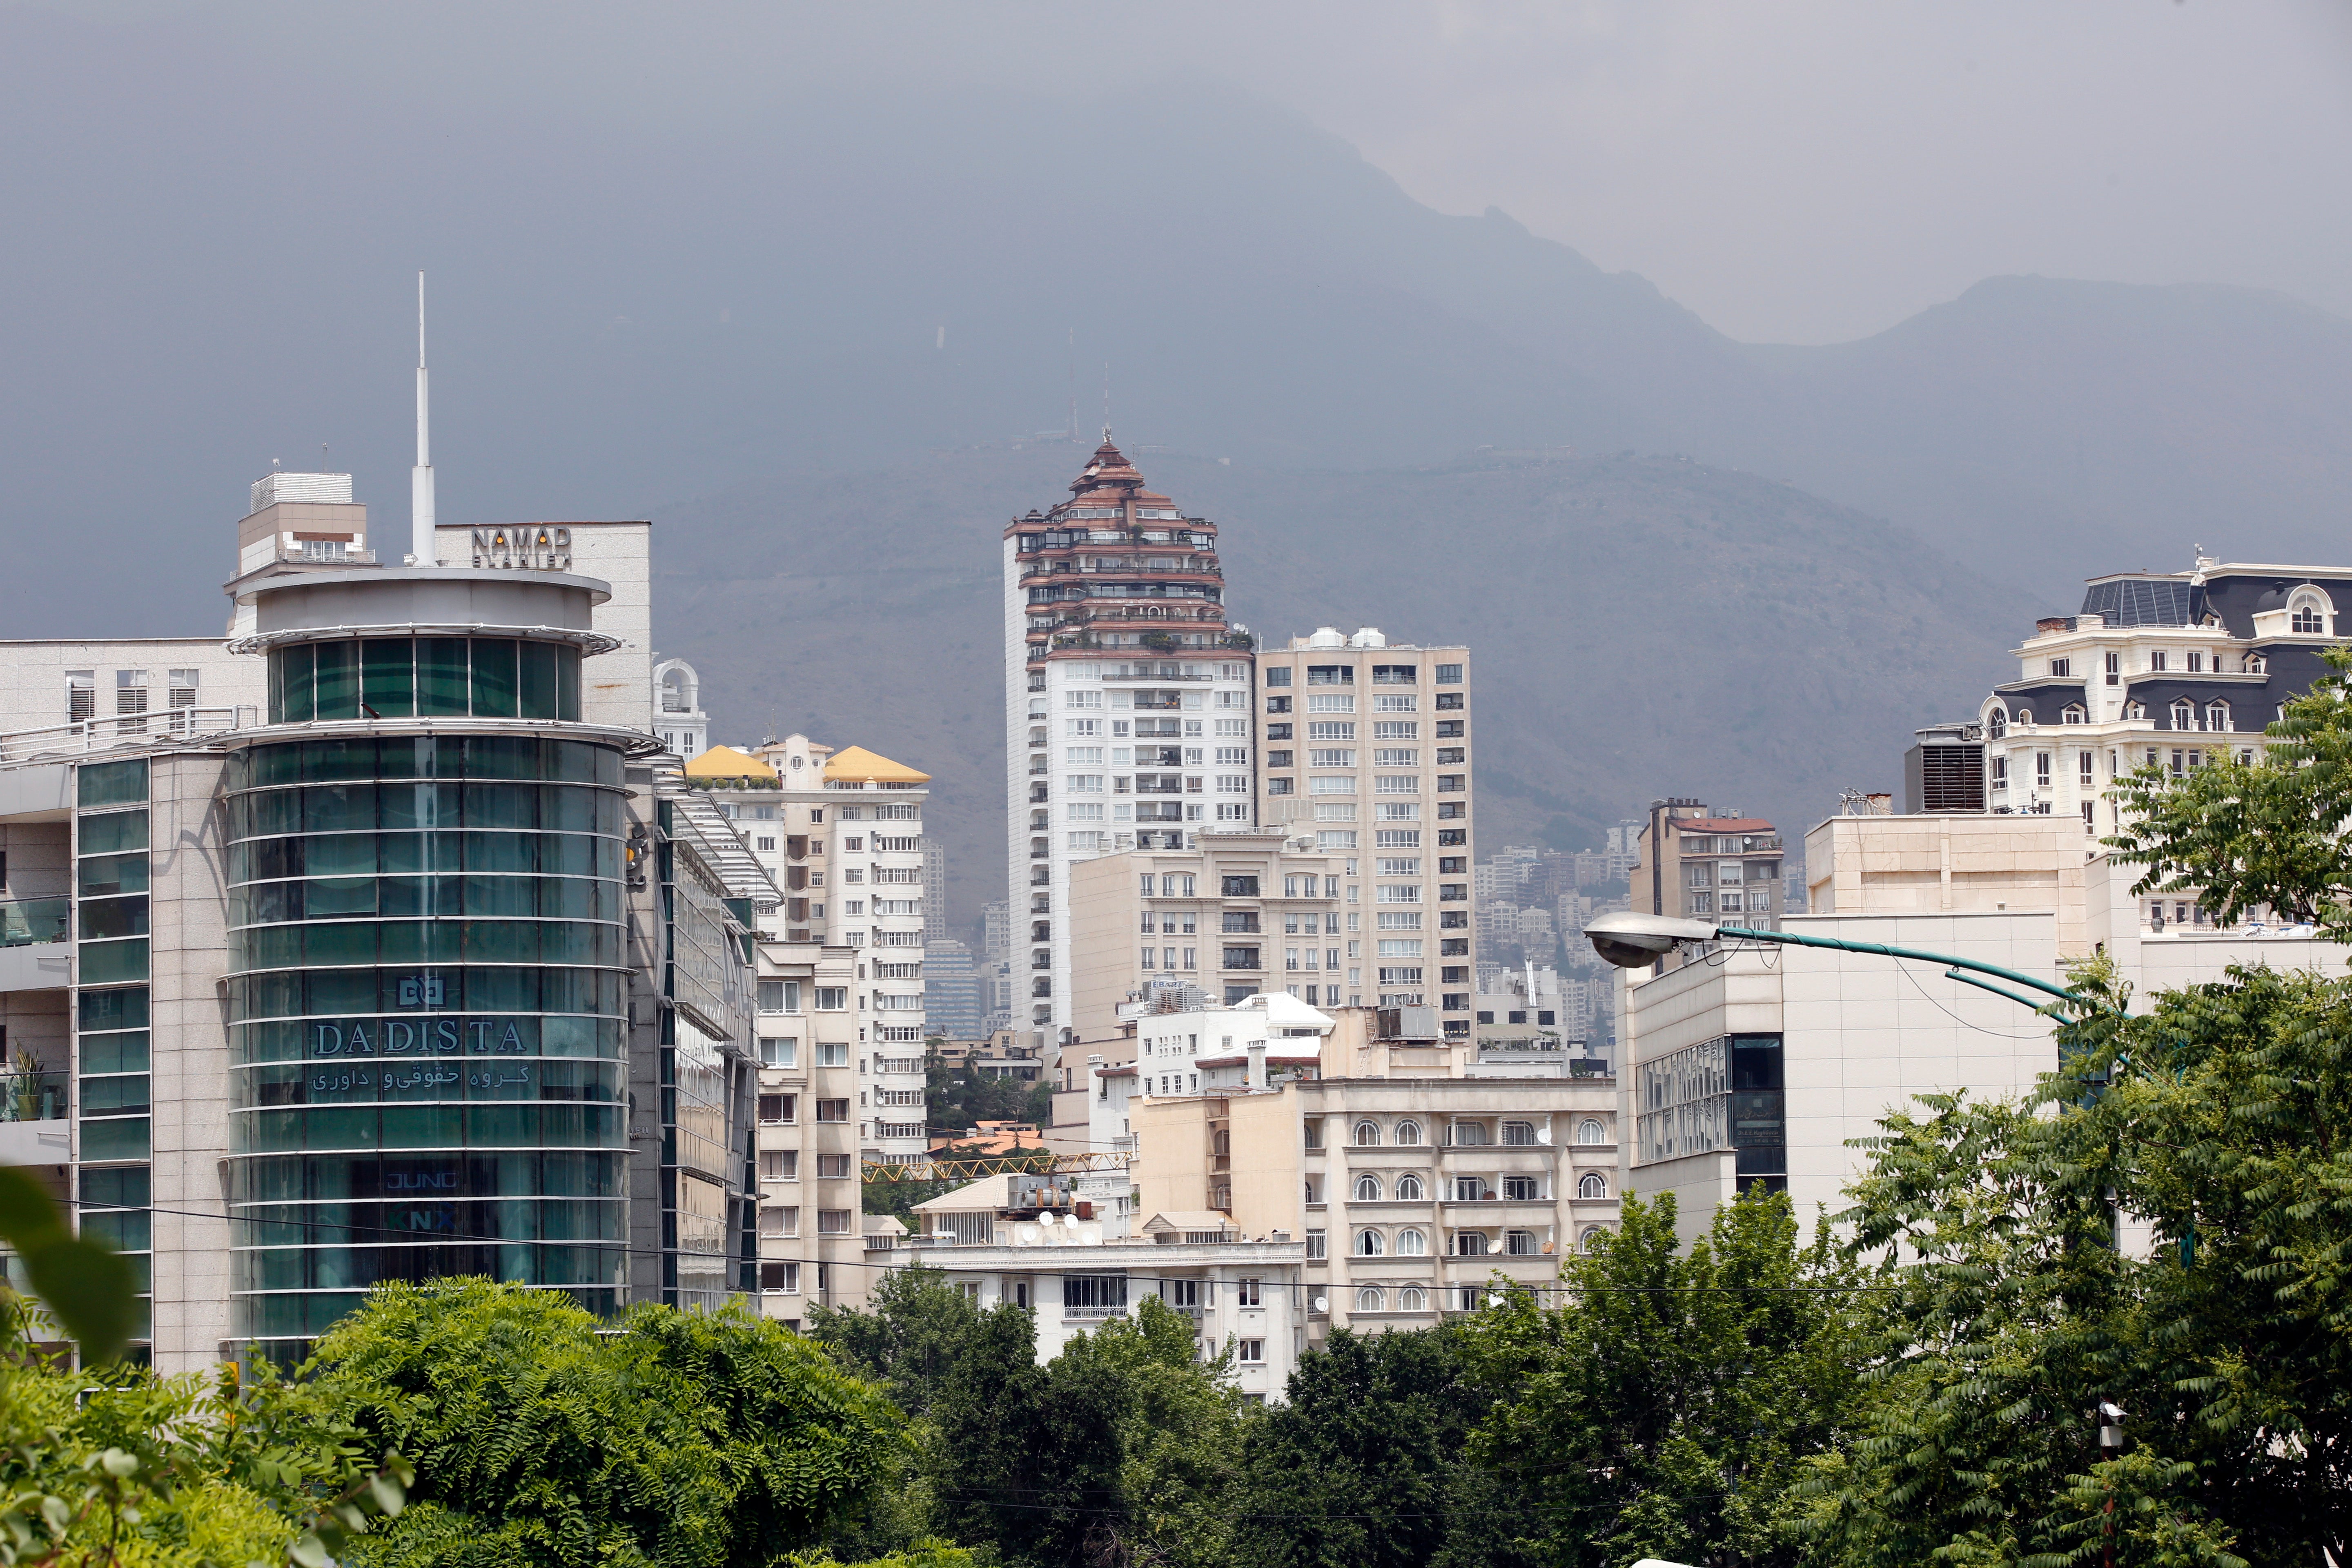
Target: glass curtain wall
401,677
427,1021
112,1096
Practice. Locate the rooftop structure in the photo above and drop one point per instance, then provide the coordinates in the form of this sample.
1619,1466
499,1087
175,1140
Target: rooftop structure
1126,704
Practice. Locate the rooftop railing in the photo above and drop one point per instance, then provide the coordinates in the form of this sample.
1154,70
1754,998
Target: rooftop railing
97,734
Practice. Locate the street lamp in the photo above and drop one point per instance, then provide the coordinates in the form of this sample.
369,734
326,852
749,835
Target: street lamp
1630,939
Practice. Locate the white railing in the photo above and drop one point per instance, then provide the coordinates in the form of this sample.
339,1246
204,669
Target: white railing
83,735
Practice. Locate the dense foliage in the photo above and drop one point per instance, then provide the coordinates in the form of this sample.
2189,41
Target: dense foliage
1663,1402
681,1439
117,1466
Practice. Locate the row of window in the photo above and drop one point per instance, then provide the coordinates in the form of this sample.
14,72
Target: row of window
1275,675
1467,1189
1343,702
2183,714
1408,1133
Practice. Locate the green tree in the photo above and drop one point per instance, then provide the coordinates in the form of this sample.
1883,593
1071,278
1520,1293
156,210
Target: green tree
1664,1402
916,1327
1365,1464
1122,1450
118,1466
680,1438
2166,1225
2267,833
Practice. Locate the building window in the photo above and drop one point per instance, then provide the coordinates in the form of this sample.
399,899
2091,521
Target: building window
779,1109
1371,1300
1250,1352
1520,1243
1449,675
779,1220
1367,1189
1470,1133
1997,723
2184,714
1411,1243
1316,1242
833,999
1368,1134
780,1050
2073,713
1408,1135
1469,1244
1520,1134
2307,621
1408,1191
2042,770
1592,1185
2216,715
1370,1244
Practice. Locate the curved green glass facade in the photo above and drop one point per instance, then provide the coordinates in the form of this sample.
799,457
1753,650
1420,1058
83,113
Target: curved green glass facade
428,1020
425,676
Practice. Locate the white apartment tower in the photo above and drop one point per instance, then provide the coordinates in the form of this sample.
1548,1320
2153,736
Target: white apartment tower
1127,706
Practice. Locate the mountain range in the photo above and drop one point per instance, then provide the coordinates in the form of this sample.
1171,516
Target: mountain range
816,332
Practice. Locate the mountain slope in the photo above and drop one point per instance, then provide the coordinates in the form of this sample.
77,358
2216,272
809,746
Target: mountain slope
1639,625
642,299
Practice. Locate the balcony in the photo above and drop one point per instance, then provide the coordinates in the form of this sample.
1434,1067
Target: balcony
31,923
33,1097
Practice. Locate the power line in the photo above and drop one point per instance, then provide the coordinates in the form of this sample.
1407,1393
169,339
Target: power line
917,1261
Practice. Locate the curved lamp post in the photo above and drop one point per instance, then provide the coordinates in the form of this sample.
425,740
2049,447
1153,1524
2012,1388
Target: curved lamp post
1630,939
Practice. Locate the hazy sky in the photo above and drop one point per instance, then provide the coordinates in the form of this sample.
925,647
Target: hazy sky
1801,171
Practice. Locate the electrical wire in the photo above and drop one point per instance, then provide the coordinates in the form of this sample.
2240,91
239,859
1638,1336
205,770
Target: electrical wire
917,1261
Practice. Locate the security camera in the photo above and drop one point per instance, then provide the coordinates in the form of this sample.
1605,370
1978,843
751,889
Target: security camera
1629,940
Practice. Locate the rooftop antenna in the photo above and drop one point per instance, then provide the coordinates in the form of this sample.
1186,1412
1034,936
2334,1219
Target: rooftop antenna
420,491
1106,402
1074,383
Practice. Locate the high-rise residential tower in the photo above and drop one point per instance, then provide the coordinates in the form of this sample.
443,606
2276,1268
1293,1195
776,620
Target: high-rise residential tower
1127,702
1367,758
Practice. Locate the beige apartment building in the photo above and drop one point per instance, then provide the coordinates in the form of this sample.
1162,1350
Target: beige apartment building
813,1240
1696,861
1365,752
1411,1180
840,835
1242,913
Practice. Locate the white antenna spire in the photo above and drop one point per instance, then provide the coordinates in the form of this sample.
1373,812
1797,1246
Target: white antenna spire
420,492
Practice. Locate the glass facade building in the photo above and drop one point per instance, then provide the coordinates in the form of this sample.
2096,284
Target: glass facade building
428,1020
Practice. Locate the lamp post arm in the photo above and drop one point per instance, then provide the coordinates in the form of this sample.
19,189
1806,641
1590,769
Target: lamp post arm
1955,965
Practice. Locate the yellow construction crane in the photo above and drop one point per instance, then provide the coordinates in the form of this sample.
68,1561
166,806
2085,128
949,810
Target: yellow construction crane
973,1170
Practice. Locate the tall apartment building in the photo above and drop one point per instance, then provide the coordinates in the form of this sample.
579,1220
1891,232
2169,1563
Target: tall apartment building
346,970
1127,702
951,998
1366,748
814,1237
1694,861
2157,668
841,835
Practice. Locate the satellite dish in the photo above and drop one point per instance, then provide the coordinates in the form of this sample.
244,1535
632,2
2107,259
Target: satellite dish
1322,1303
1543,1132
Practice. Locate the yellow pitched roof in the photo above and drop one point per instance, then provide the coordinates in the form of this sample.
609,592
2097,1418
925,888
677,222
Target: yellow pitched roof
726,762
856,764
